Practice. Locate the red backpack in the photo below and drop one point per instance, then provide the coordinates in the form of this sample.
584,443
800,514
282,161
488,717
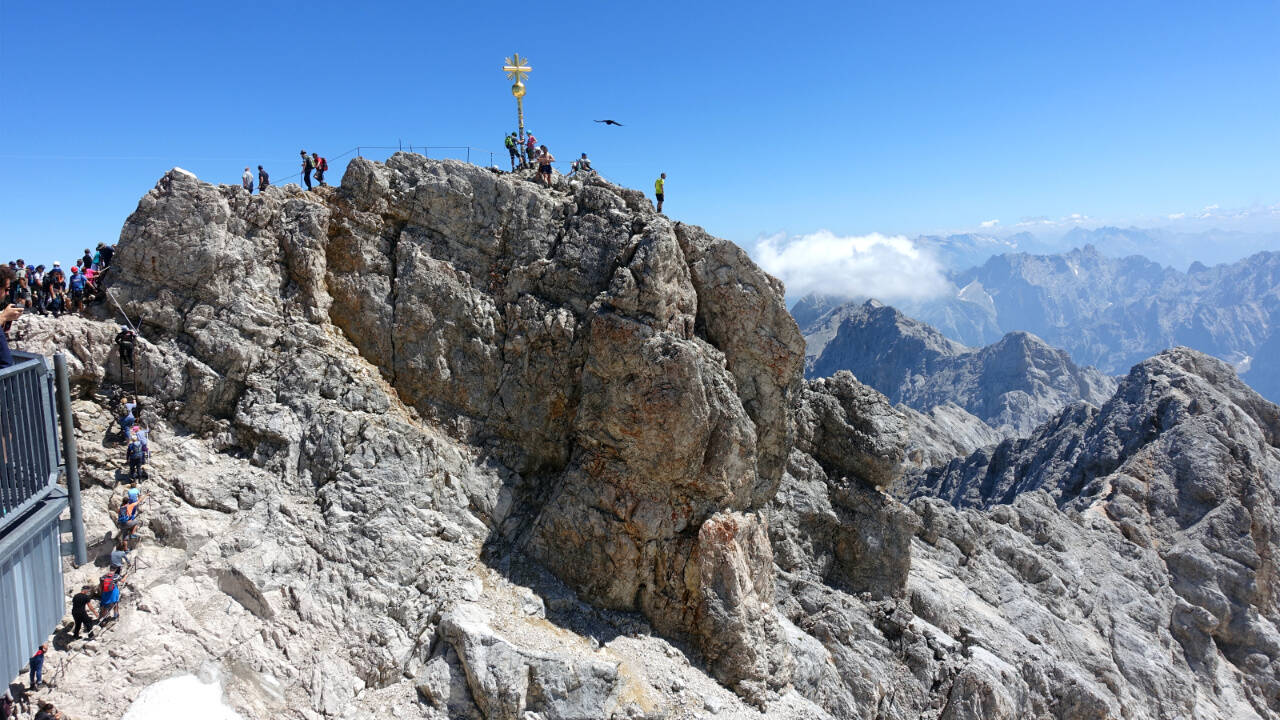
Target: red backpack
108,583
323,165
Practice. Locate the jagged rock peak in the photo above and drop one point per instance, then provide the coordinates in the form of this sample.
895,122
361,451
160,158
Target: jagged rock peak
1184,462
1013,385
634,376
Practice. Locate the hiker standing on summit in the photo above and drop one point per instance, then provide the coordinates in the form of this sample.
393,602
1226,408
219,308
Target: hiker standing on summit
659,189
307,167
263,179
247,180
545,158
322,166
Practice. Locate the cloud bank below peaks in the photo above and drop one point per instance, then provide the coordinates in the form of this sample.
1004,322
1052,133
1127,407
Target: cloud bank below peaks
888,268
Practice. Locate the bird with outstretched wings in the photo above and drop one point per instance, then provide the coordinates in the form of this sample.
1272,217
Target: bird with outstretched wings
610,122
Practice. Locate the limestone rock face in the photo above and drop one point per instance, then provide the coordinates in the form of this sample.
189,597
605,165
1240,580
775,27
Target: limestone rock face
1182,464
830,518
631,379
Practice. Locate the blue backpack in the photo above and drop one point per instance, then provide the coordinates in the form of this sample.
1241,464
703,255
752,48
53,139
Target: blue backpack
135,451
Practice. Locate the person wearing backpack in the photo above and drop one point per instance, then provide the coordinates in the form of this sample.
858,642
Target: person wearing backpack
109,596
137,457
530,149
128,518
129,418
513,149
321,166
125,341
307,167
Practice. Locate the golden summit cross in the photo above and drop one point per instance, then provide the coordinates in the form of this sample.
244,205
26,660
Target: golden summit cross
516,68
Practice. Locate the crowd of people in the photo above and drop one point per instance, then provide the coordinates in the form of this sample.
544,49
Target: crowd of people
27,287
530,154
56,290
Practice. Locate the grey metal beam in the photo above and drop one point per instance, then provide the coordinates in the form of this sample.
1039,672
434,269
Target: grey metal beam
70,458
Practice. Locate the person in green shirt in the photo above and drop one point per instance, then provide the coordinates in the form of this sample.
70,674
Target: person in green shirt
658,187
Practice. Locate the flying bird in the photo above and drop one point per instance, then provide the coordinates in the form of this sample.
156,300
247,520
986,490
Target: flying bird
610,122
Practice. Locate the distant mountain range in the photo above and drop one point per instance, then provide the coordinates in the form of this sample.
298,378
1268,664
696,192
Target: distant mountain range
1113,312
1167,247
1012,385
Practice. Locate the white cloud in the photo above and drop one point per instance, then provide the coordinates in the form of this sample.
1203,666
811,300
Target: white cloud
1177,216
889,268
989,223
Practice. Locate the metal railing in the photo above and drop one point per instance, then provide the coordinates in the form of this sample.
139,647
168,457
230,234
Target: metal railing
29,450
439,152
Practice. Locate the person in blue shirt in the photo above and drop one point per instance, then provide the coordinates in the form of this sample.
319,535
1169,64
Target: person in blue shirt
37,666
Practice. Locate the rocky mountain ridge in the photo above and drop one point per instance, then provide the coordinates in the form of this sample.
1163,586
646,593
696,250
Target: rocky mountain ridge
1105,311
1012,385
442,443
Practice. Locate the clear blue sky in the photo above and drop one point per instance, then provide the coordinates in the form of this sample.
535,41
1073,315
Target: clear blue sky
767,117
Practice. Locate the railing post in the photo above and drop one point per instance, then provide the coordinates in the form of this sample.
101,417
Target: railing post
69,457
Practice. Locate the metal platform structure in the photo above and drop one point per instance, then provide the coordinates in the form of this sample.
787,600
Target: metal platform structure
34,403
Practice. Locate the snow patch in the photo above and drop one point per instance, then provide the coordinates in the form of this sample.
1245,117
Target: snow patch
184,696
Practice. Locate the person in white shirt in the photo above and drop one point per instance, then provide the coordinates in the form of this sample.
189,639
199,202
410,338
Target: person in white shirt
247,180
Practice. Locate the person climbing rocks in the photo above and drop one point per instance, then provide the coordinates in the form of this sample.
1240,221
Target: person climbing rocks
530,149
48,712
307,167
109,596
77,285
126,339
263,179
247,180
81,607
659,188
97,257
545,158
136,457
129,418
582,164
108,252
7,710
120,556
512,143
322,166
36,675
129,516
